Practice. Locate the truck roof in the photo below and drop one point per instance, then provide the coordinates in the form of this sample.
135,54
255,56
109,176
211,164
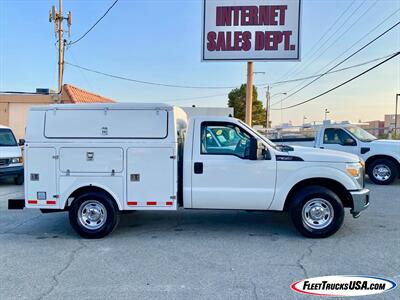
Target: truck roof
338,125
150,106
4,127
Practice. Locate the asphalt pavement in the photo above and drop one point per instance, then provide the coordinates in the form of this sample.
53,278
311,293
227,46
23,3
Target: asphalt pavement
191,254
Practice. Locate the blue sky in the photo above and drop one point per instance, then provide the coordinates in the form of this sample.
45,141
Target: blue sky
161,41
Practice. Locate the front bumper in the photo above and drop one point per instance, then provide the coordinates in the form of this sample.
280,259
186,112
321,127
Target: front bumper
11,171
360,201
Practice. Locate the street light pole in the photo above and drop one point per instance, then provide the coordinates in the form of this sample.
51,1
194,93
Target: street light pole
326,113
395,115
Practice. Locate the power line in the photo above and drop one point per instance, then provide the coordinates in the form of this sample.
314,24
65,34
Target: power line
341,62
94,25
340,36
336,71
355,43
149,82
340,85
200,97
281,82
311,51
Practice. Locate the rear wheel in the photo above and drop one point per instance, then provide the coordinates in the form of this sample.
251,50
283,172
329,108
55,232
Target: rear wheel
316,212
382,171
94,215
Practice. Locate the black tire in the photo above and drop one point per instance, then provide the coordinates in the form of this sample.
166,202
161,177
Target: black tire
19,180
304,198
107,203
394,172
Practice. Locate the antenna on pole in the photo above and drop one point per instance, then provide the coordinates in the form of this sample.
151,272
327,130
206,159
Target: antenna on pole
57,18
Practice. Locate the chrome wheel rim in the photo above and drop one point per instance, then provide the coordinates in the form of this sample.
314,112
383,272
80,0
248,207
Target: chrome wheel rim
92,214
381,172
317,213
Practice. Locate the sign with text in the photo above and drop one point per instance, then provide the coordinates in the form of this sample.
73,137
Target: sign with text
251,30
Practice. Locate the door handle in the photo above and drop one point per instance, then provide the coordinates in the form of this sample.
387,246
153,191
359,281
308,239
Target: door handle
198,168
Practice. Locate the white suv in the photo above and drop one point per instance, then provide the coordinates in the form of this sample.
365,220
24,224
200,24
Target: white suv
10,156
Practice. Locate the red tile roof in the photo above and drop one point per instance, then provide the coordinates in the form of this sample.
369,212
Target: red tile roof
78,95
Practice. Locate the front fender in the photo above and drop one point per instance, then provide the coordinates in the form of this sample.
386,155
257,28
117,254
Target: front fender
289,176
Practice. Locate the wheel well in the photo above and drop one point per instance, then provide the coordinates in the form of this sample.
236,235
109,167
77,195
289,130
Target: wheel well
375,157
331,184
86,189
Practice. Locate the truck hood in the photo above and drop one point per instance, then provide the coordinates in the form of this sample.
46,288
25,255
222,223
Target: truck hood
322,155
389,143
7,152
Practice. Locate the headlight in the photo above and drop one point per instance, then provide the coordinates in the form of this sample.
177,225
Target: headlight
16,160
356,170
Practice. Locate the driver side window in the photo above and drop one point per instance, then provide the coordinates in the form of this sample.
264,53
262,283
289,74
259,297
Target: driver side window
338,136
224,139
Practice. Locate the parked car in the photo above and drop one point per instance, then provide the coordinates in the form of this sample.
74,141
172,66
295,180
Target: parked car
382,157
11,165
150,157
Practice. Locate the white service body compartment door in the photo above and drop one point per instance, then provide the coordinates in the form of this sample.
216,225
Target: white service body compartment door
91,160
151,178
109,123
40,177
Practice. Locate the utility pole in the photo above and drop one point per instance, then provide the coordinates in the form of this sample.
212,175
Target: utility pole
395,115
267,108
249,94
58,19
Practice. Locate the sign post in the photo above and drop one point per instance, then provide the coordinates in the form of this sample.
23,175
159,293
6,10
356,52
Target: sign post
249,94
251,30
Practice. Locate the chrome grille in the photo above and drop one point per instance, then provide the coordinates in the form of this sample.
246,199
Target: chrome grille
4,162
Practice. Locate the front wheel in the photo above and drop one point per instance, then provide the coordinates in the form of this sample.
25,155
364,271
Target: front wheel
316,212
94,215
382,171
19,180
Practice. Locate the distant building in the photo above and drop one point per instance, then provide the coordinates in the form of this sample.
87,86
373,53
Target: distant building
14,106
390,122
376,127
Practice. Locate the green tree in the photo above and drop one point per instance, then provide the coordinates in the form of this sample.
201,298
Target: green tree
237,100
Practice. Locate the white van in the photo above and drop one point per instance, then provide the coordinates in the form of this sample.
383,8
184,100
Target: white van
96,160
11,165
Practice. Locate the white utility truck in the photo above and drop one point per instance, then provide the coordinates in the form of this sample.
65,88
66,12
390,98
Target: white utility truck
11,165
382,157
96,160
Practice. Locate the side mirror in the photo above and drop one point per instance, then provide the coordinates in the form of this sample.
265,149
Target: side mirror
21,142
349,142
256,149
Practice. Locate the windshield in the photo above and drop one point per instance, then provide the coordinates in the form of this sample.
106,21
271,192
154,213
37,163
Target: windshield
7,138
361,134
259,135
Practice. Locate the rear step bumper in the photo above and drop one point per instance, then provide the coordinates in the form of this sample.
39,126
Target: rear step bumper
16,203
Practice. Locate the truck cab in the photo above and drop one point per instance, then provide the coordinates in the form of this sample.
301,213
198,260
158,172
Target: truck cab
11,163
152,157
382,157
